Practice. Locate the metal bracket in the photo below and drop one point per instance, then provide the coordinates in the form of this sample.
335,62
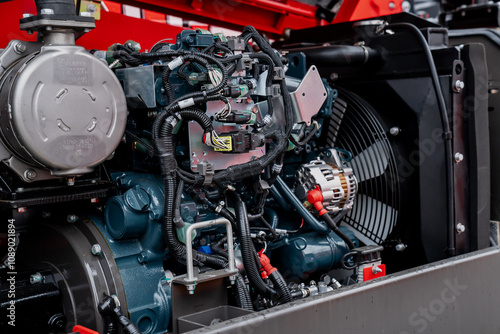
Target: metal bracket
190,280
62,24
21,169
309,97
16,50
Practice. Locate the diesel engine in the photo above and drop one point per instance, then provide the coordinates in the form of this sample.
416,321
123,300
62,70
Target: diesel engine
139,187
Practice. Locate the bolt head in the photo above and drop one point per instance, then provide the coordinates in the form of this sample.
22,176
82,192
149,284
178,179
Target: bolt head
72,218
191,288
96,249
400,247
30,174
92,8
460,228
405,6
154,214
392,5
334,76
459,85
394,131
36,278
20,48
459,157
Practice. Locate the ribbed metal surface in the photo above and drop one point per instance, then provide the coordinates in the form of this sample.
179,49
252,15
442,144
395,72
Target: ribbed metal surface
355,128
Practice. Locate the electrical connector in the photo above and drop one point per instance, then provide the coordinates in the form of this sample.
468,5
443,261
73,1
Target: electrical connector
242,142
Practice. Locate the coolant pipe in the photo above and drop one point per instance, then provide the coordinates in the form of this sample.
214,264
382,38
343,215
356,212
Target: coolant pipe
280,199
348,55
283,189
272,217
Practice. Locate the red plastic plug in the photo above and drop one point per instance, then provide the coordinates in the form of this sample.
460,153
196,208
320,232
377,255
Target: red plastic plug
266,263
315,197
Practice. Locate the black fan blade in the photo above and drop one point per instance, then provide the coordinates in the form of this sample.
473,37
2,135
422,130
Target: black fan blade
338,111
371,162
375,217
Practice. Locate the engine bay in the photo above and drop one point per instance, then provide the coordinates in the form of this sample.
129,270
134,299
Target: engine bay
141,187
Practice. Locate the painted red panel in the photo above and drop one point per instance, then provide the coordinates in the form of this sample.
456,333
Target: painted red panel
10,14
117,28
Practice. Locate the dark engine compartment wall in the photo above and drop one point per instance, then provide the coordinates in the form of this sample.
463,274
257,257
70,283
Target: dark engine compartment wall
490,39
437,298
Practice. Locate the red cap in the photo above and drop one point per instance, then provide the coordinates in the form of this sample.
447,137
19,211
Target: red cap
266,263
83,330
315,197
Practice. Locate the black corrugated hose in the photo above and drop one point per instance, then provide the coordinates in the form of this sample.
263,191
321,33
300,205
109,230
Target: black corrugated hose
166,152
241,292
243,299
248,250
249,260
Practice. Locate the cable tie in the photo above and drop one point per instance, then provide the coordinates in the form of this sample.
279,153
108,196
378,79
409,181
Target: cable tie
175,63
186,103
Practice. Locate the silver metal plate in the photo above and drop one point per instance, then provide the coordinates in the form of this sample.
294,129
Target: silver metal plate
203,153
309,97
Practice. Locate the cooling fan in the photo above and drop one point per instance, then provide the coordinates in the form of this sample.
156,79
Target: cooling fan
354,126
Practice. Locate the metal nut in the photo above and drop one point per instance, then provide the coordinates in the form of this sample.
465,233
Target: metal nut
70,181
36,278
19,48
72,218
190,288
30,174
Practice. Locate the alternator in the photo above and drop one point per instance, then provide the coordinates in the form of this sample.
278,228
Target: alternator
336,182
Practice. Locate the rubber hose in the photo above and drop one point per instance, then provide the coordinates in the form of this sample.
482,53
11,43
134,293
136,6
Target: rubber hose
167,85
288,194
248,250
128,326
341,55
238,172
165,152
273,218
243,299
177,248
110,325
329,221
280,285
